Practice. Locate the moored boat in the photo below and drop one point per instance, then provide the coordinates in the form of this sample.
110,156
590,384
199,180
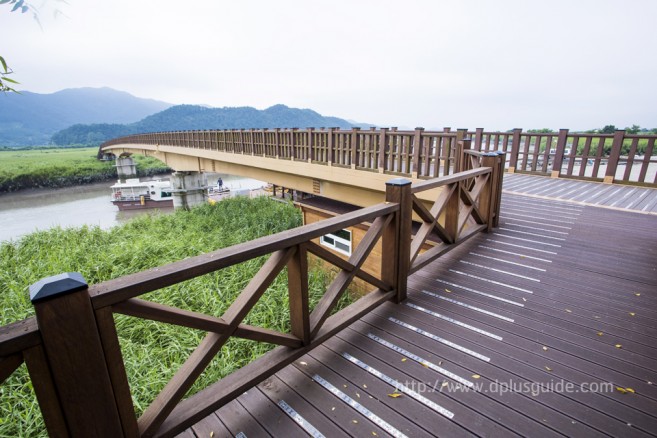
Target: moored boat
134,194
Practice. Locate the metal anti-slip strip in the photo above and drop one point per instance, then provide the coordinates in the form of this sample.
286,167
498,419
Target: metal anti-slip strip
439,339
398,386
468,306
358,407
240,435
495,297
510,286
421,361
454,321
305,425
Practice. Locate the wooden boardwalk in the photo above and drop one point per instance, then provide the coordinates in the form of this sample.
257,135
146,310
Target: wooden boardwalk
614,196
545,327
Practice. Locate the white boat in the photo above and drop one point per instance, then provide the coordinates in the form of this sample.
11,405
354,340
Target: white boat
134,194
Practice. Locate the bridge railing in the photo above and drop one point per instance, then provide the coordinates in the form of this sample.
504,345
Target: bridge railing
618,157
71,347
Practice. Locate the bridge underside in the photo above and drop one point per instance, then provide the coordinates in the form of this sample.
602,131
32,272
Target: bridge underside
344,183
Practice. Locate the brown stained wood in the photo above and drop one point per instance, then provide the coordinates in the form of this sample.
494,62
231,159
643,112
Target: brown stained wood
46,393
18,336
117,373
77,362
8,365
452,214
206,401
297,274
647,156
344,278
630,159
614,154
437,251
120,289
343,264
446,180
256,287
171,315
175,389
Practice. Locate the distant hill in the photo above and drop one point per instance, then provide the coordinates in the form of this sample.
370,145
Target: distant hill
190,117
28,118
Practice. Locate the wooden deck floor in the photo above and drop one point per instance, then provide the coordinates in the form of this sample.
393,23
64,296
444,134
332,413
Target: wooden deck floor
545,327
614,196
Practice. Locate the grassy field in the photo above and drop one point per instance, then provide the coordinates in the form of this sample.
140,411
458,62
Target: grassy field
59,167
152,351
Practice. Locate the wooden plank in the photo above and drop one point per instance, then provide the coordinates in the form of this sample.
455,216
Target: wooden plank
276,390
8,365
120,289
238,420
171,315
19,336
269,415
114,359
297,274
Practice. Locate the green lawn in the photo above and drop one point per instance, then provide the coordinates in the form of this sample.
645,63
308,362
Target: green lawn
59,167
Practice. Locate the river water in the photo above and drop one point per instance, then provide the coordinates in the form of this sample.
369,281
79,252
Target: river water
29,210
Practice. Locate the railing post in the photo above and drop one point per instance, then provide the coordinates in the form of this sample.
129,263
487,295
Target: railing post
478,140
383,142
417,146
488,196
614,156
515,150
330,146
396,251
74,350
354,146
311,151
558,156
501,156
462,162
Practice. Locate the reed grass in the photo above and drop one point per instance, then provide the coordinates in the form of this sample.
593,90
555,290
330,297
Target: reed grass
152,351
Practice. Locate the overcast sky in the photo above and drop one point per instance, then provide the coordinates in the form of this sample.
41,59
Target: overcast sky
464,63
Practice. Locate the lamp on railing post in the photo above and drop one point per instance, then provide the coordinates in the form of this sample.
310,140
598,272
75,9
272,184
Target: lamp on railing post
396,251
91,401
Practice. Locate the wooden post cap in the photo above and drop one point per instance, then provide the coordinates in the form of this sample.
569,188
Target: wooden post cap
57,285
398,182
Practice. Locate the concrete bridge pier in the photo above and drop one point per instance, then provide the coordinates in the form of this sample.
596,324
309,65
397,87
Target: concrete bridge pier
189,189
126,168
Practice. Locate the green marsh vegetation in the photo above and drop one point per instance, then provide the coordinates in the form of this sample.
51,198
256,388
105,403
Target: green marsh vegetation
152,351
61,167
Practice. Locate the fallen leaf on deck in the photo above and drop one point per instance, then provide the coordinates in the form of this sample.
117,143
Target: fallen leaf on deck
448,291
630,390
440,362
599,333
211,434
569,311
303,363
364,385
445,383
637,294
358,395
618,346
476,376
545,348
596,317
404,359
354,421
632,313
333,408
548,368
395,395
524,299
621,390
374,433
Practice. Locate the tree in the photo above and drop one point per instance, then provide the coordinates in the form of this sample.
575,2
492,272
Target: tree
634,129
608,129
6,83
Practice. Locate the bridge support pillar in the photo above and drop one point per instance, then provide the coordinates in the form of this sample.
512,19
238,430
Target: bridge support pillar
126,168
189,189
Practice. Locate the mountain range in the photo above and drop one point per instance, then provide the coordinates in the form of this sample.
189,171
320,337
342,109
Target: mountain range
93,115
31,118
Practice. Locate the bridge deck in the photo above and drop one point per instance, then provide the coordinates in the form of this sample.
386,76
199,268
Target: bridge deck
560,297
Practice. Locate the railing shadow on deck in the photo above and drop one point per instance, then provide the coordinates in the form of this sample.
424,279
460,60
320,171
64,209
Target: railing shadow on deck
71,347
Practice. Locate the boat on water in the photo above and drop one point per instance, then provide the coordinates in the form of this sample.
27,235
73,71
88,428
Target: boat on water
134,194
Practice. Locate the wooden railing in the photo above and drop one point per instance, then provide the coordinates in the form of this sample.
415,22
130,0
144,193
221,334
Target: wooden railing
618,157
71,347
